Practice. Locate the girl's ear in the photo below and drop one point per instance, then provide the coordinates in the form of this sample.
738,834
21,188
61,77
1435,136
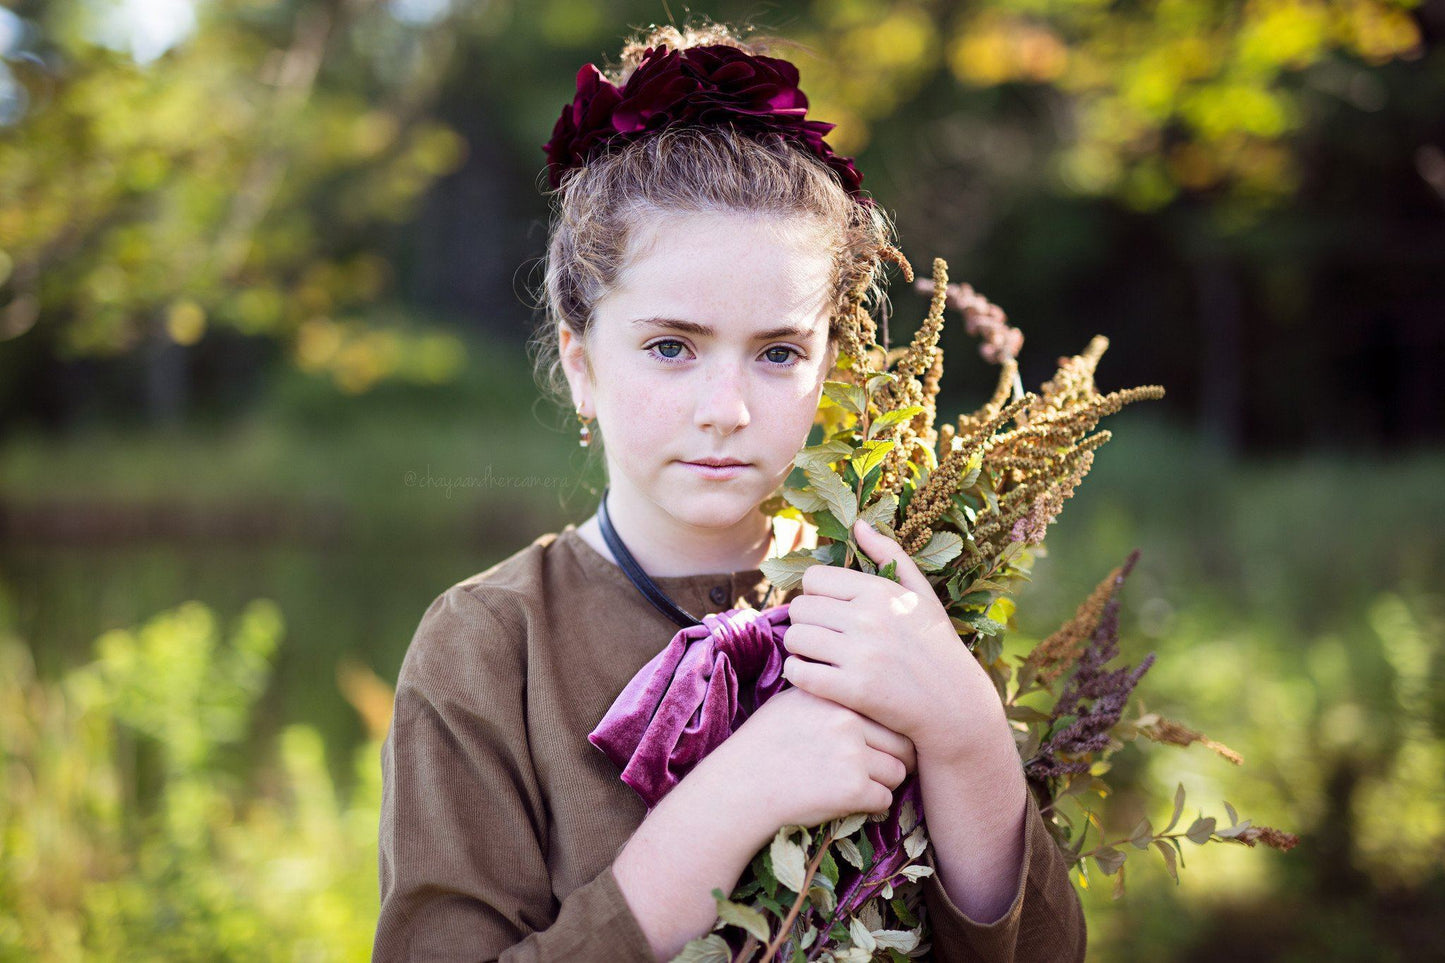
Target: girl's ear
572,350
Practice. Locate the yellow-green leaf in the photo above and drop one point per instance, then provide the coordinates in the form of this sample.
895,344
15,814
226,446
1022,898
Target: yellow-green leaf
844,395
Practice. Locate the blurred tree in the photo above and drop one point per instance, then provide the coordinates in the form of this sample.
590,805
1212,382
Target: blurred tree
1214,120
238,179
1086,162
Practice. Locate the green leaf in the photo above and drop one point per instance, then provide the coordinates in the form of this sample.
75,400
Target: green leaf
787,572
735,914
900,910
840,501
977,622
804,499
821,895
1201,830
870,483
890,571
1002,610
1168,853
881,513
942,548
831,554
1109,860
764,869
779,910
829,527
1023,713
890,418
708,949
1230,832
828,867
991,498
823,455
882,378
871,455
1178,807
970,471
1143,834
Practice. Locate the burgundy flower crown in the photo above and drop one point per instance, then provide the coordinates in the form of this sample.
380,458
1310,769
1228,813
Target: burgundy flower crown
698,86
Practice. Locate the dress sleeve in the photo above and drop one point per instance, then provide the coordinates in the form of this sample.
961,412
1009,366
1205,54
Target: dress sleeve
462,867
1043,924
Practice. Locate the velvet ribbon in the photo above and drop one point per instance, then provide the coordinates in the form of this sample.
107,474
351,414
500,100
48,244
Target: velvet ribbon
691,696
695,693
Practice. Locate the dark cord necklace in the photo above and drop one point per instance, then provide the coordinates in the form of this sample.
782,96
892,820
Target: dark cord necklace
637,576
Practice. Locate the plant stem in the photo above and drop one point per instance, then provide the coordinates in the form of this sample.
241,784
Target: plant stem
798,903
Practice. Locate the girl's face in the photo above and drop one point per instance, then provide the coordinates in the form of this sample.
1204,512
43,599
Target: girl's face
713,345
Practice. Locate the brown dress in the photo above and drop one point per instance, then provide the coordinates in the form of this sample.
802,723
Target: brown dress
500,821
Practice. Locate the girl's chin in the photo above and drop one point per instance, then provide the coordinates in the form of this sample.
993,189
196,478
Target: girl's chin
711,504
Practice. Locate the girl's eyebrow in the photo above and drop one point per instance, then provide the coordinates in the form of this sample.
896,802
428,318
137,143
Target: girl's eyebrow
706,331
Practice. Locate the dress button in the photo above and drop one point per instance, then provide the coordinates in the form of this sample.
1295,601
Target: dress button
719,595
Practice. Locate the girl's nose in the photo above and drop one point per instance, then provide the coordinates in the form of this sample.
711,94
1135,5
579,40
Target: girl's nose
722,405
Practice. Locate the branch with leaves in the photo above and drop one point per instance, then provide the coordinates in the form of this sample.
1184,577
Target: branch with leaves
969,500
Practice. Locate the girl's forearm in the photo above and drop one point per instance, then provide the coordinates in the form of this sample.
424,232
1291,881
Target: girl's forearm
701,835
974,804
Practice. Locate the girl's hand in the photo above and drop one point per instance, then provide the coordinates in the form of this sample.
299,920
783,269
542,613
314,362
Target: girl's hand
802,760
889,651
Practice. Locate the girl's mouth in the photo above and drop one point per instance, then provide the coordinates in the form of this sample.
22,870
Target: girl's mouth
706,470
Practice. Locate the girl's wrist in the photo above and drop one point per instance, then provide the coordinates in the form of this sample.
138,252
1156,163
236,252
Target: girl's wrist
977,732
733,799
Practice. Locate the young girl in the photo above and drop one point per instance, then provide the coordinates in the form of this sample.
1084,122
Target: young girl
695,274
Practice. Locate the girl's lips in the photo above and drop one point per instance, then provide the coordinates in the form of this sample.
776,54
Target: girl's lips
716,471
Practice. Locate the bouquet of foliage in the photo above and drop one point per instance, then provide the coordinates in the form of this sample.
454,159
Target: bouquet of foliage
969,501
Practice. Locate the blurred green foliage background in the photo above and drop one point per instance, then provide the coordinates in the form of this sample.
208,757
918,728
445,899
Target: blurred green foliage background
264,293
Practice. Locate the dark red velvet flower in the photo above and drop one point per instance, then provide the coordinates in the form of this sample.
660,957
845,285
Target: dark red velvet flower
700,86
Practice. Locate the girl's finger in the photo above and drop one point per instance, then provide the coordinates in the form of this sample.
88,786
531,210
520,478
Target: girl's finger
883,768
820,610
812,642
835,581
882,550
896,744
821,679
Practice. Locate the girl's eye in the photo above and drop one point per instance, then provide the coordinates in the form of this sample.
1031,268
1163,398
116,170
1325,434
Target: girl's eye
782,362
661,345
664,347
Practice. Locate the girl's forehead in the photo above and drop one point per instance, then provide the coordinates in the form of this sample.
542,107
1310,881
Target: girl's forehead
726,259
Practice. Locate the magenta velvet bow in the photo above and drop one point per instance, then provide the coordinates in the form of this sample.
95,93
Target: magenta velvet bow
692,695
695,693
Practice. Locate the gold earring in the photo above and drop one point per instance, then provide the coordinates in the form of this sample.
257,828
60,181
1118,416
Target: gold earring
585,432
